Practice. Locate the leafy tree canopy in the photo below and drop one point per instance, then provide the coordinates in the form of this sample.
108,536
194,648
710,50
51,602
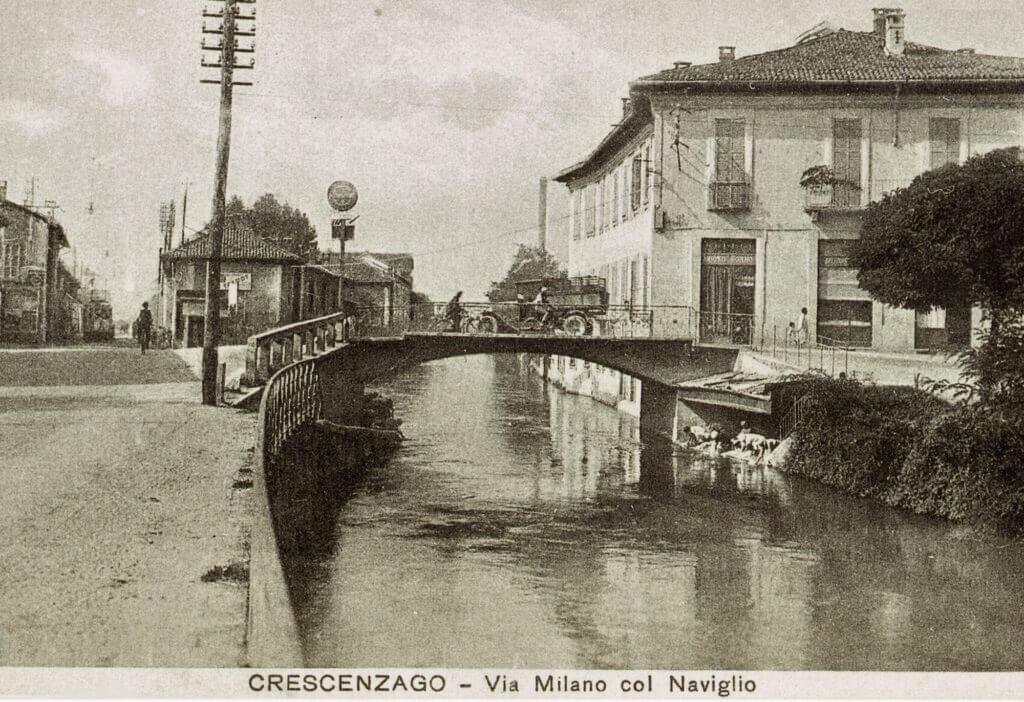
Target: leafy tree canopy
529,263
279,223
953,237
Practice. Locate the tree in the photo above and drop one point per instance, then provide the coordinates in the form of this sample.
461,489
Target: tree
953,238
529,263
279,223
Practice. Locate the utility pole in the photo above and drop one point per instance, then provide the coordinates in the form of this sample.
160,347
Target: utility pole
184,211
227,47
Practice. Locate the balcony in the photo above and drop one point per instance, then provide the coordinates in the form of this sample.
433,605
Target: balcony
832,197
729,196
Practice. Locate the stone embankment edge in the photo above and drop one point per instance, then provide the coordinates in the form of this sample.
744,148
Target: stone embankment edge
272,634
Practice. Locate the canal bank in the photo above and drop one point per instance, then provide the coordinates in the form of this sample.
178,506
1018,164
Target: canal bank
524,527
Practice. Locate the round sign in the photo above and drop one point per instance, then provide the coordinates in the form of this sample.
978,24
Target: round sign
342,195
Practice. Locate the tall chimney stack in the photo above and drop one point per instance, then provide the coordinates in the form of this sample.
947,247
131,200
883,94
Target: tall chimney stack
542,215
3,190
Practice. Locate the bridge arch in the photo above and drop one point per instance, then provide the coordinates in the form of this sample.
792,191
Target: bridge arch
662,361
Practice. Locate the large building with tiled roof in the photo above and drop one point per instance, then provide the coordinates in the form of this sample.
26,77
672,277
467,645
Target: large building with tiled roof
734,188
262,286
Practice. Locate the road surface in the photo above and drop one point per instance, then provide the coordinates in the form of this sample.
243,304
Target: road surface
120,491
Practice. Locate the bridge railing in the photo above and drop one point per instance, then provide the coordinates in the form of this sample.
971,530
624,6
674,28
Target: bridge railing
276,348
821,353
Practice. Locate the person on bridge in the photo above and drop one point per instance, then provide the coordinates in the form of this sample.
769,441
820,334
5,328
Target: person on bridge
542,308
453,312
144,326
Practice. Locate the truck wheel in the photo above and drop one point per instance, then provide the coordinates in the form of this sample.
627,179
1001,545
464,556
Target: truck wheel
575,324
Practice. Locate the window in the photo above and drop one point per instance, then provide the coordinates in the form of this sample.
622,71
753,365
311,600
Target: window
608,204
12,255
577,213
590,209
615,196
944,141
624,208
729,190
846,139
645,173
636,192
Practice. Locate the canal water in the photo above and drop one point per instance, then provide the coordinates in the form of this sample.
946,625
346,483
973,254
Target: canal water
523,527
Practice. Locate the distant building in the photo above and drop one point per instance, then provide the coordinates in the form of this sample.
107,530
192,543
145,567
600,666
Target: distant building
262,286
33,308
377,280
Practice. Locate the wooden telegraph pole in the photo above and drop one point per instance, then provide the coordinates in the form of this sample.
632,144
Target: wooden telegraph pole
227,47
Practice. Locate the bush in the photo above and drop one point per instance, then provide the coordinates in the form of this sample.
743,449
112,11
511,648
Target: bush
915,451
855,436
969,465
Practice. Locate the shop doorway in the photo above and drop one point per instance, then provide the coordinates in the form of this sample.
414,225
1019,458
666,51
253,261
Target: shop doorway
727,272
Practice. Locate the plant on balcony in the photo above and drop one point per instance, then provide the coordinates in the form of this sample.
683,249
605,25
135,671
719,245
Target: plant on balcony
818,176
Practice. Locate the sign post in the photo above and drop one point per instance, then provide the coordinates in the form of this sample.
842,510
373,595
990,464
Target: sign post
342,197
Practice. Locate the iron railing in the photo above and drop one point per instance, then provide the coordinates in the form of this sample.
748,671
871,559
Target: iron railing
792,418
824,354
290,401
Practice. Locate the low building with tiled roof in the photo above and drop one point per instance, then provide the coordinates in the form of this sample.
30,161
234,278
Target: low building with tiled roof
732,190
238,244
262,286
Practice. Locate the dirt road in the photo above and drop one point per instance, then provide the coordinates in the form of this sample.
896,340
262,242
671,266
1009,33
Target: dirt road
117,498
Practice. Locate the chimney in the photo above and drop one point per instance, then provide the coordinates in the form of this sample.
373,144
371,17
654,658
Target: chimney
726,53
625,107
680,64
888,24
542,215
3,190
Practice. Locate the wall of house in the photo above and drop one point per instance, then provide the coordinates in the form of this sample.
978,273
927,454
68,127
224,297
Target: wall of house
784,136
26,306
258,309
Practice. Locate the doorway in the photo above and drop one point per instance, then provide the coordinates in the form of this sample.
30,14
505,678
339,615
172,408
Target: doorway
194,331
727,271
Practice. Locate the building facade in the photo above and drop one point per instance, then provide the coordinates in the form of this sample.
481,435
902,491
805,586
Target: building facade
262,286
696,198
34,308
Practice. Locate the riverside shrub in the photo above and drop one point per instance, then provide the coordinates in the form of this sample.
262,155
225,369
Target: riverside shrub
969,465
855,436
914,451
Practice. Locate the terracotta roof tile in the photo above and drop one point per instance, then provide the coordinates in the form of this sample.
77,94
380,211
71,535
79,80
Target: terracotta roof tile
239,244
846,56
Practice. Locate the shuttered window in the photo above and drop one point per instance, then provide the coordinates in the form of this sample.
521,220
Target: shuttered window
846,145
577,214
944,141
637,189
729,189
590,209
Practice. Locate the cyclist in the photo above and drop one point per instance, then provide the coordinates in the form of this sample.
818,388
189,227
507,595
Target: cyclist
453,312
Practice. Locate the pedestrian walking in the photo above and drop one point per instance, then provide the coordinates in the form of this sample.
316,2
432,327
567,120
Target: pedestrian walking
801,326
144,326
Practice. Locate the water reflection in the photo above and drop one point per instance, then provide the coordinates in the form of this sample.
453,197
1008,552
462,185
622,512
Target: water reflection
521,527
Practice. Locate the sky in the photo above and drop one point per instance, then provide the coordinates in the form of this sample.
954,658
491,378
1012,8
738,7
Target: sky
444,114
